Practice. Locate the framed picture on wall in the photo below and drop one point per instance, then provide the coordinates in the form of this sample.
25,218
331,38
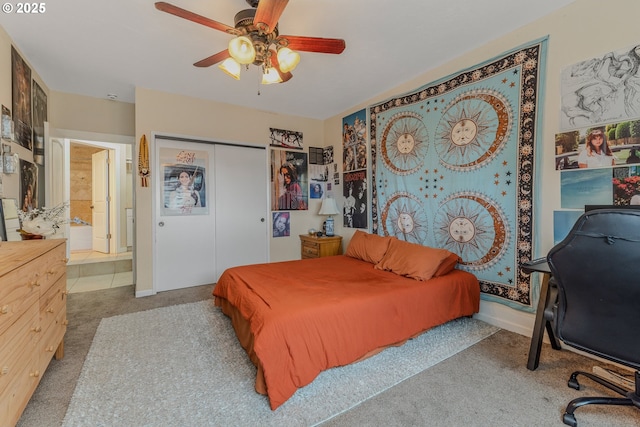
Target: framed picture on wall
285,138
28,186
21,93
39,117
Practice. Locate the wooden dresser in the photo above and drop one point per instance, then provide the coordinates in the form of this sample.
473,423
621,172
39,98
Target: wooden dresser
33,318
316,247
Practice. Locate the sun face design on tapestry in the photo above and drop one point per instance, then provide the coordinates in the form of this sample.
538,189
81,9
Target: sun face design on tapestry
473,129
404,217
405,144
474,227
453,167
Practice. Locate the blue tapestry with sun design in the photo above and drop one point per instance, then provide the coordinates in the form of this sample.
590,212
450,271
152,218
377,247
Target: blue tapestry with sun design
453,167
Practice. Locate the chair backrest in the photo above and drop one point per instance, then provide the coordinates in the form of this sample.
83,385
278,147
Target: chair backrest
597,270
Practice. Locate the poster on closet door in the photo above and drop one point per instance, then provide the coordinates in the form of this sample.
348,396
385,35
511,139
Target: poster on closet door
184,189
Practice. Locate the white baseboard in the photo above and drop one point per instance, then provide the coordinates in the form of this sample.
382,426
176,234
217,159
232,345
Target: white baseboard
147,293
506,318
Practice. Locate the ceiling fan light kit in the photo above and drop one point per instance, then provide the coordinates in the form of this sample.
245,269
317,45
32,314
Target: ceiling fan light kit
258,41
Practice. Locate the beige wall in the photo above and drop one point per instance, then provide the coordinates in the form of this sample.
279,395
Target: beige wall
87,114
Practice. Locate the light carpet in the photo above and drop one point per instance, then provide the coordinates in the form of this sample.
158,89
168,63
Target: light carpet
182,365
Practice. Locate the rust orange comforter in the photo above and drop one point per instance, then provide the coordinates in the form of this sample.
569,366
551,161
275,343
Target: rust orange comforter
310,315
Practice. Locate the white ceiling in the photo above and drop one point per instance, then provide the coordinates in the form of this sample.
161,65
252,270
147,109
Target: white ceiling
100,47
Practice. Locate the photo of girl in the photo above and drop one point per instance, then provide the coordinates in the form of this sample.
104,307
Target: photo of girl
183,189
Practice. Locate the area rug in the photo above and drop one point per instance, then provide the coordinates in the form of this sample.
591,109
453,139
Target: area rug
182,365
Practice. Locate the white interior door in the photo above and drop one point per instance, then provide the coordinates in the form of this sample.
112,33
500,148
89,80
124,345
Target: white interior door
100,201
241,206
184,240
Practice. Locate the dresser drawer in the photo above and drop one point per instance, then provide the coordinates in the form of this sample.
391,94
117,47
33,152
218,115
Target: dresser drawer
51,339
52,266
19,343
15,397
53,301
310,250
17,293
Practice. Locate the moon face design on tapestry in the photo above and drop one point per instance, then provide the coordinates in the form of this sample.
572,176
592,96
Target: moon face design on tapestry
404,143
474,127
403,216
474,227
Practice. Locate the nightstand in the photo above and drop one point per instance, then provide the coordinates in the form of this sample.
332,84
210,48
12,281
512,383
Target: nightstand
316,247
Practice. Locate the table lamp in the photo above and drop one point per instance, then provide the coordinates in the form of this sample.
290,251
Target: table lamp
329,208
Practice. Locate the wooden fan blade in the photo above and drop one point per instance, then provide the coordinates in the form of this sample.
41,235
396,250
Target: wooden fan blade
185,14
213,59
274,62
268,13
313,44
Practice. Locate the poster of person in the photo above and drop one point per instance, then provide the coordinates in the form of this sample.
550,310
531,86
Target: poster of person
21,92
316,189
39,117
612,144
289,181
28,186
354,141
184,175
356,212
281,224
285,138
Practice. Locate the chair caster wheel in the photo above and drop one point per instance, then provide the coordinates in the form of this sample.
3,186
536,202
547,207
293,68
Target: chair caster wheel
570,420
573,383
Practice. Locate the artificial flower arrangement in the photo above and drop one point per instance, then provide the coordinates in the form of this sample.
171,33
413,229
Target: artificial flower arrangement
43,221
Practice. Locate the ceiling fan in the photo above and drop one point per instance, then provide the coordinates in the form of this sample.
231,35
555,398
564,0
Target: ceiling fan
258,41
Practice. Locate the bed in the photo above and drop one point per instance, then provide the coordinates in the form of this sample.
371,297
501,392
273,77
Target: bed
297,318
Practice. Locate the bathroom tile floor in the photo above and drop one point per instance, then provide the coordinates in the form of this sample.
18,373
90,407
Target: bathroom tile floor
91,271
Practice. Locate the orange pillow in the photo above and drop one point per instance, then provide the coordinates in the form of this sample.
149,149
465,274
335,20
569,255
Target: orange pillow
367,247
447,265
412,260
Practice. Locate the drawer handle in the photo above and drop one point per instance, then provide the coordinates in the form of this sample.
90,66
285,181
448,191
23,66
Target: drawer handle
35,283
4,309
51,272
50,310
36,329
50,349
5,370
35,374
65,322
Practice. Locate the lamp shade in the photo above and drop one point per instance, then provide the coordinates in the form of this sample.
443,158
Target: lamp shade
329,207
271,76
231,67
242,50
287,59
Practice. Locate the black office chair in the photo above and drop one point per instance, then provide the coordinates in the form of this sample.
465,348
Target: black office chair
597,271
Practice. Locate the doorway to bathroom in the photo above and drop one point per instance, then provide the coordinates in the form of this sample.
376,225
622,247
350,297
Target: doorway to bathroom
95,177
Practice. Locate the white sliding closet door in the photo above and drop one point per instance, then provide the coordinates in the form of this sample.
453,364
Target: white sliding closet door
241,206
184,240
194,248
